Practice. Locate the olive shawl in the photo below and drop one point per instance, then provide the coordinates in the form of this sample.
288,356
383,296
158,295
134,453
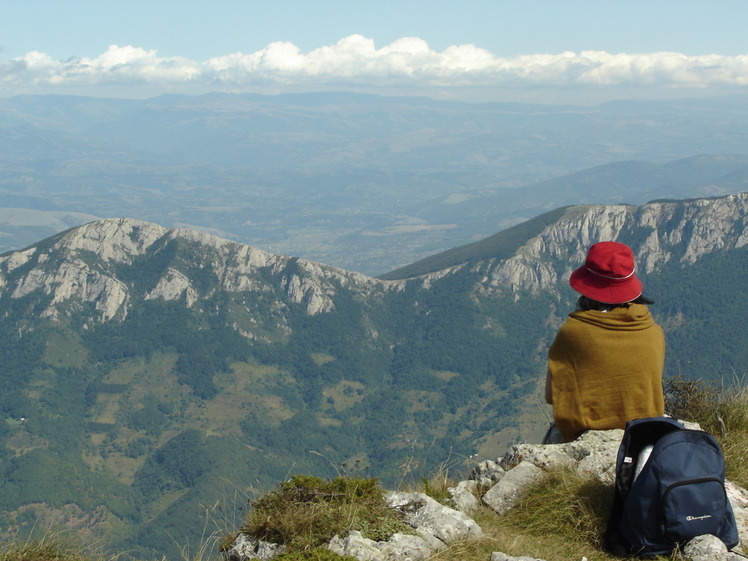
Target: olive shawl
605,369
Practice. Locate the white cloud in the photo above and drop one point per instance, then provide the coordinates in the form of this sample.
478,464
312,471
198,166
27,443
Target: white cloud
356,61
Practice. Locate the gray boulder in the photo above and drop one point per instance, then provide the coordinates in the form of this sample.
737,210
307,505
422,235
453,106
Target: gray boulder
505,495
400,547
708,548
464,496
486,473
432,520
739,501
593,453
355,545
499,556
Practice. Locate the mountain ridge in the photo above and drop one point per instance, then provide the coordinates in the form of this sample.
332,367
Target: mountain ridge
123,240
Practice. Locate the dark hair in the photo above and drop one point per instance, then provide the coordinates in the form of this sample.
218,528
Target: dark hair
585,304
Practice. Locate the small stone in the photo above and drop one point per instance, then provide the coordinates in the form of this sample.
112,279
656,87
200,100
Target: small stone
246,548
705,548
499,556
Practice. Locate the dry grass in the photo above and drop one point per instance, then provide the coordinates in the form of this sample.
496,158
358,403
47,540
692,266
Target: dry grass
734,417
721,411
561,518
52,547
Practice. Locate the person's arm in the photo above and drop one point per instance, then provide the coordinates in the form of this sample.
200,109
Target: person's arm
548,388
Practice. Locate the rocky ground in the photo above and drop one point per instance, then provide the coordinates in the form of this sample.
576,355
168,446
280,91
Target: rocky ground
435,526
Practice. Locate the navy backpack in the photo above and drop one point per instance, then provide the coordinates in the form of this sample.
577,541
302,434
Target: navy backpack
670,487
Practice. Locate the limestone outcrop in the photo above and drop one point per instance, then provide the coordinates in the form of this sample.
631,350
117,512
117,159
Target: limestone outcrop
83,265
435,526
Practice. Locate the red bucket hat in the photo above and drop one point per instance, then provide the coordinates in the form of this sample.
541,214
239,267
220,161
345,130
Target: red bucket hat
608,274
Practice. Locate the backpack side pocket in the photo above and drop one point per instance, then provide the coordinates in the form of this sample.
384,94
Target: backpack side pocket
693,508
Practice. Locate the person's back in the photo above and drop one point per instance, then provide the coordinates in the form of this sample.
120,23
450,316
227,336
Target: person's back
605,364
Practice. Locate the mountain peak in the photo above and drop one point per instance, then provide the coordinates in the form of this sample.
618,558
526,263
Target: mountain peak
96,263
116,240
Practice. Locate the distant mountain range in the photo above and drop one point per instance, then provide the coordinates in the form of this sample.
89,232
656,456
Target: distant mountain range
363,182
150,373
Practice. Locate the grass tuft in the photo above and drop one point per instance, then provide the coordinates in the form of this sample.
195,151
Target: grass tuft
569,506
306,512
52,547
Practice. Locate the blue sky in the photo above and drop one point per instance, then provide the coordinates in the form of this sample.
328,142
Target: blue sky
473,49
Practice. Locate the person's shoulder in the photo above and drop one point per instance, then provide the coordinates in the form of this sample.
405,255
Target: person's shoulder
581,320
640,311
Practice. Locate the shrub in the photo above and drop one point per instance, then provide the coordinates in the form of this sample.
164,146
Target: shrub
693,400
306,512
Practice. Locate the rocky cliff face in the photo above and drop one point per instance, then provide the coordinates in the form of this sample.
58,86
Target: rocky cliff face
82,265
659,232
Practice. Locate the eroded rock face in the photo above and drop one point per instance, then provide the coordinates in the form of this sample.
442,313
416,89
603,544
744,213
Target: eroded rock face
83,265
680,231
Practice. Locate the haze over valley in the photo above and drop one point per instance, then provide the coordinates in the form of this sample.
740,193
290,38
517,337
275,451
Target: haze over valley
363,182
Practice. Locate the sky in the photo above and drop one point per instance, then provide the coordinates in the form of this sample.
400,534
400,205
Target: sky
477,50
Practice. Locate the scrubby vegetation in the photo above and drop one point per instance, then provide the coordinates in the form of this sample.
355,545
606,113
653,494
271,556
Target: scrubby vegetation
306,512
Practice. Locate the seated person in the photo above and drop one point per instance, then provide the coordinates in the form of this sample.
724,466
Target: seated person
605,364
